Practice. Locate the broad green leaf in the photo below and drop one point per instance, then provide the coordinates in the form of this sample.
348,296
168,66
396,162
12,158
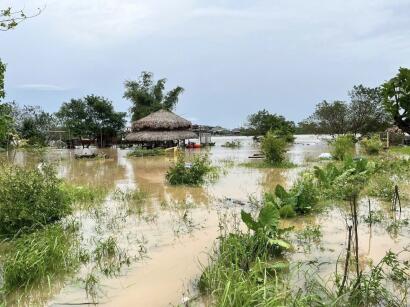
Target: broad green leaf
279,243
248,220
280,192
268,215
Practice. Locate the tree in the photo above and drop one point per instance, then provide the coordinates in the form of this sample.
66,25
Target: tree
148,96
34,124
261,122
2,72
93,117
6,124
366,110
330,118
396,98
9,18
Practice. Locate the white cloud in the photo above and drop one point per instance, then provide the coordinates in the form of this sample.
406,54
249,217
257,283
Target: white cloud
42,87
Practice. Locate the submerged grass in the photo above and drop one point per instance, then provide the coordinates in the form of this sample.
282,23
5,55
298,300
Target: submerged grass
39,256
145,152
84,195
264,164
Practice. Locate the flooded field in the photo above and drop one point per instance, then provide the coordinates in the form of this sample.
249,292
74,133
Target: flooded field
168,232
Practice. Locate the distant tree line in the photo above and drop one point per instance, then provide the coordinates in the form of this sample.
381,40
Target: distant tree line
92,117
369,110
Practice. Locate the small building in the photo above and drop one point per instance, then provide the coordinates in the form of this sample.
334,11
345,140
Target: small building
160,129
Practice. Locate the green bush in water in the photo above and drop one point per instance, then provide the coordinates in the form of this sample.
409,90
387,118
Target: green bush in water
30,198
274,148
232,144
373,145
190,174
38,256
342,147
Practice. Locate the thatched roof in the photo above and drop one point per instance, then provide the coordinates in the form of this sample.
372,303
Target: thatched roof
157,135
161,120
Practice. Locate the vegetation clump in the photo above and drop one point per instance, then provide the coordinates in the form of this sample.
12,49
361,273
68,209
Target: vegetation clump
274,148
342,147
244,262
84,195
344,180
372,145
232,144
146,152
301,199
193,173
30,198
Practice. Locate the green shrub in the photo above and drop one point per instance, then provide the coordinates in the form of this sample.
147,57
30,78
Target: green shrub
145,152
342,147
190,173
30,198
38,256
232,144
273,148
305,194
373,145
285,134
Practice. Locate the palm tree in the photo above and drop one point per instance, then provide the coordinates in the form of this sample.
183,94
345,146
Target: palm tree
148,96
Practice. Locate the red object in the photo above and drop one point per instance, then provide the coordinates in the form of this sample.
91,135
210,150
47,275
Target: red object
197,145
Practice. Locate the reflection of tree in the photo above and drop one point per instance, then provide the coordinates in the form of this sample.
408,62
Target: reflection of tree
272,177
149,176
101,173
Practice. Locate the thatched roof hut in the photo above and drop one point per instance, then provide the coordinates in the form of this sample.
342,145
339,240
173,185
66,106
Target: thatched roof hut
161,126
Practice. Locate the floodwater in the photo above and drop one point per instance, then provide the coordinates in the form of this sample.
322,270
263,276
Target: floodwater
172,233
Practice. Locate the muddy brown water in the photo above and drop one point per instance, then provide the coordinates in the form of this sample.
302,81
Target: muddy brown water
177,226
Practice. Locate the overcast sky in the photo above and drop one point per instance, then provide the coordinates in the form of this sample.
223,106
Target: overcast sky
233,57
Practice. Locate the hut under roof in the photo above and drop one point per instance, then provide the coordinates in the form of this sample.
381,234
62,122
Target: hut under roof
161,128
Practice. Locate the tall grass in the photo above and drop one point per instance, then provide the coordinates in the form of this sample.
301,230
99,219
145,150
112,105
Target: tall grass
39,256
84,195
